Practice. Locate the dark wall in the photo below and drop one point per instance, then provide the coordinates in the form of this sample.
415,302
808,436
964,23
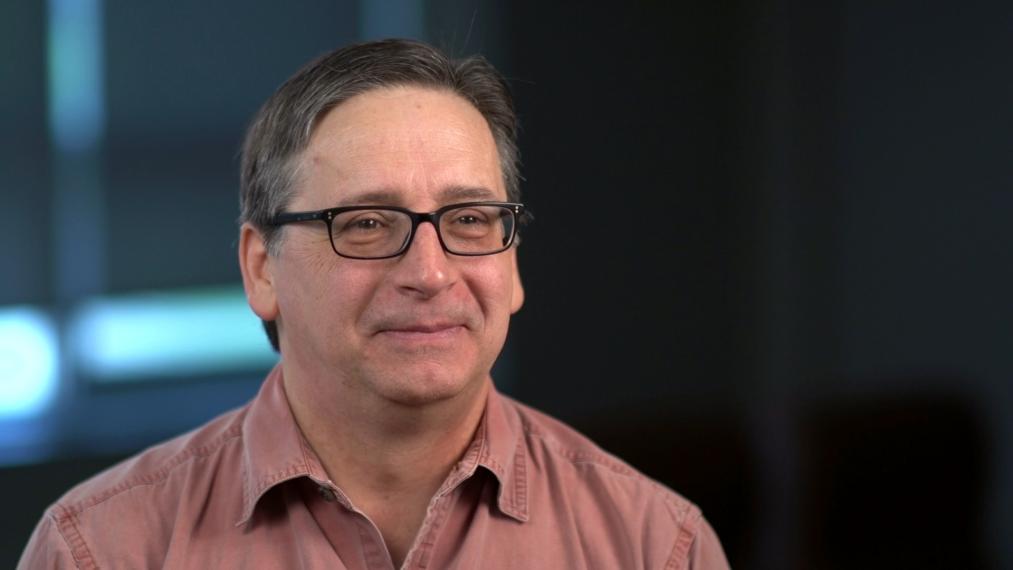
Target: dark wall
629,158
23,154
770,264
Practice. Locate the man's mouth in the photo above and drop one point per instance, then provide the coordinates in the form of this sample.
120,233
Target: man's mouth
423,332
424,328
407,323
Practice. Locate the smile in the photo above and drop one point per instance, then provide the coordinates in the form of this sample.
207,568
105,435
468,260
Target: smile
423,333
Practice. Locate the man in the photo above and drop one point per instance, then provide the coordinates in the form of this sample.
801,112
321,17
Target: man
380,211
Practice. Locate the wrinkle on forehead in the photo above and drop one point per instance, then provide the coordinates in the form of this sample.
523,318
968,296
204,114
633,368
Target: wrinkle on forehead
376,135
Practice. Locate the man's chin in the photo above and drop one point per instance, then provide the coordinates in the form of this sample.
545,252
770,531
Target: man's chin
420,389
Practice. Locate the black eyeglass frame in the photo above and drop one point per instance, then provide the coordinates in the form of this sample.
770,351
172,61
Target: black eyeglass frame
516,209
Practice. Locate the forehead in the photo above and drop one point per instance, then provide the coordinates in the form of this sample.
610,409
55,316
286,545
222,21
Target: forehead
410,144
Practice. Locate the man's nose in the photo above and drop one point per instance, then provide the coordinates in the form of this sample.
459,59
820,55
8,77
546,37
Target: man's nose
425,269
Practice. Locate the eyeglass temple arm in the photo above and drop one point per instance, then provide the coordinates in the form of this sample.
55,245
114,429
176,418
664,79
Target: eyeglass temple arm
291,217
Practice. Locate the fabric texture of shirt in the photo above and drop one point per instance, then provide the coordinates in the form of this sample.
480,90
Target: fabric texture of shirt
247,491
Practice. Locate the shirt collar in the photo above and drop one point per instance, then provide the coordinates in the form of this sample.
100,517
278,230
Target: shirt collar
499,447
275,451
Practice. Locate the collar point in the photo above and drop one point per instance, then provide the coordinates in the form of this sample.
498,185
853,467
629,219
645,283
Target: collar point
519,514
244,520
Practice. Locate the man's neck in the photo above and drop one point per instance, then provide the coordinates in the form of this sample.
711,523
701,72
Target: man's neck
402,448
389,458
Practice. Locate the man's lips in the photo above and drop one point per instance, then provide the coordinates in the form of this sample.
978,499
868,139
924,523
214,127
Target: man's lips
420,328
422,324
425,333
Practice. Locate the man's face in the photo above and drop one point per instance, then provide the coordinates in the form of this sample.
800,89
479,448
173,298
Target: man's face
413,329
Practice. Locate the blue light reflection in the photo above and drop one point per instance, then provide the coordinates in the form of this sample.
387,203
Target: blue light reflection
28,362
168,334
76,97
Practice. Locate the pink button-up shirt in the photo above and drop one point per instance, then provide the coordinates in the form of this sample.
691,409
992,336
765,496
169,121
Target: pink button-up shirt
247,491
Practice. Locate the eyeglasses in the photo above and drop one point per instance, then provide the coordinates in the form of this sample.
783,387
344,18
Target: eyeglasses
380,232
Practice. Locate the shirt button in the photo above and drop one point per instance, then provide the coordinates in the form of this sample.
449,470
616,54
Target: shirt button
327,494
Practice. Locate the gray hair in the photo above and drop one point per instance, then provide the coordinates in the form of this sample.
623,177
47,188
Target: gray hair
281,129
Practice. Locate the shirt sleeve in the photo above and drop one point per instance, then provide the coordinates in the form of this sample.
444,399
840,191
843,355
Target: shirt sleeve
47,549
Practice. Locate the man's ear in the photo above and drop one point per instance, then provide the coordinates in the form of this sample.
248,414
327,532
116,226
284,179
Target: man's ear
517,296
257,267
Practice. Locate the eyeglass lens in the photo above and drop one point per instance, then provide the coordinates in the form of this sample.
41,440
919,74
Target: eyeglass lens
469,230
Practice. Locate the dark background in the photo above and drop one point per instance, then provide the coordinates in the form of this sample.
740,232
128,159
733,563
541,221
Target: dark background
770,265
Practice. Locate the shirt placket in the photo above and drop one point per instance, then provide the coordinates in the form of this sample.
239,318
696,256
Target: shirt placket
420,554
352,535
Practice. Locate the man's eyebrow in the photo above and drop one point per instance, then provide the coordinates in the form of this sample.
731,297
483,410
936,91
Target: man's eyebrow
388,197
466,193
372,198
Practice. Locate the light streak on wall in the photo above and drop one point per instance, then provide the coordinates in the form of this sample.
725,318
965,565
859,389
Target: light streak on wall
76,96
168,334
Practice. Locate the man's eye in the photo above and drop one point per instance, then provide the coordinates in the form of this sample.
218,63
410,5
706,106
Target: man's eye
366,224
470,219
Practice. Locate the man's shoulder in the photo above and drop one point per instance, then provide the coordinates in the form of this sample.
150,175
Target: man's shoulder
575,456
572,481
160,469
128,512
